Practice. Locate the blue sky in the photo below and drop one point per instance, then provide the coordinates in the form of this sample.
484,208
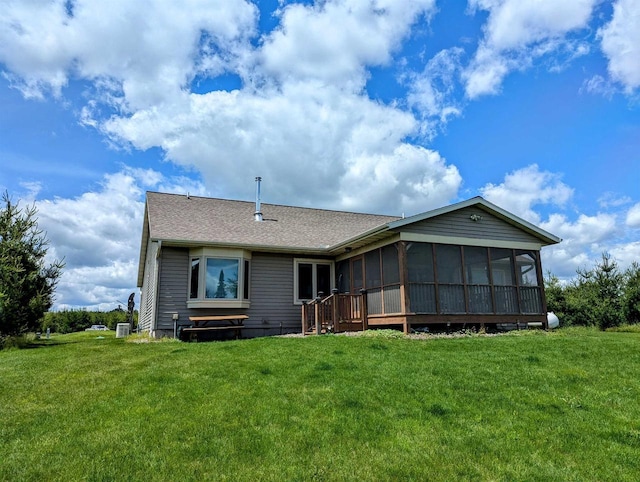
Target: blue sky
372,106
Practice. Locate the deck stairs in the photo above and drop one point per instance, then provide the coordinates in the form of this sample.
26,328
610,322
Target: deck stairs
336,313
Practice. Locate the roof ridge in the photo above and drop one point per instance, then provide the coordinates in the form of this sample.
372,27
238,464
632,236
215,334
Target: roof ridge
277,205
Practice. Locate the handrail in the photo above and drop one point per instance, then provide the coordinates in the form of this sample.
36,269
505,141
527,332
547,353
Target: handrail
332,312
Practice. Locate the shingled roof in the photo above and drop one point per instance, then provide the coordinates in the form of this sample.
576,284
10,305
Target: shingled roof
198,220
181,220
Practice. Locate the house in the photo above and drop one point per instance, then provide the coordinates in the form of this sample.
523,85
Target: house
286,269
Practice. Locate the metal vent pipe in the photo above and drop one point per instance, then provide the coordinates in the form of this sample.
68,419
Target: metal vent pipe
258,214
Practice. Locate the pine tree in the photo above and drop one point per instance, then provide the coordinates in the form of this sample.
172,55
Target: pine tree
27,284
221,292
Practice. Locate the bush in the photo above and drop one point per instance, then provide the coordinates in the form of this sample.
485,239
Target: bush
602,297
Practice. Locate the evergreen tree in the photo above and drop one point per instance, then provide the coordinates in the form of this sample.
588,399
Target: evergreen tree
221,292
26,283
631,295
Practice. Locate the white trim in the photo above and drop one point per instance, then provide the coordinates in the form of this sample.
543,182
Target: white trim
224,303
204,253
485,243
313,262
369,247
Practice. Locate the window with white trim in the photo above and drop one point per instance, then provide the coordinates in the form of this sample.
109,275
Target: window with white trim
310,277
219,278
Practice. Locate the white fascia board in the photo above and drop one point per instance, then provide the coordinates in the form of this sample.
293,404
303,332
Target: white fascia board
486,243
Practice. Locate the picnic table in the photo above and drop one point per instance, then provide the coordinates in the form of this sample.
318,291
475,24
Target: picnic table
210,323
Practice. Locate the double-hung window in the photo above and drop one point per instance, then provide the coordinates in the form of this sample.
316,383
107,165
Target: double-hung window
219,278
311,277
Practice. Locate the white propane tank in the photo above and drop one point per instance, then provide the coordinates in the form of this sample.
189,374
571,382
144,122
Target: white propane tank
552,320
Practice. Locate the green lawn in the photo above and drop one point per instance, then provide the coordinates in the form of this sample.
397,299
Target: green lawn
524,406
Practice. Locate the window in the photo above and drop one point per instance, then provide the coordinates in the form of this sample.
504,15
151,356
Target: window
221,284
451,295
219,278
422,288
344,278
311,277
476,264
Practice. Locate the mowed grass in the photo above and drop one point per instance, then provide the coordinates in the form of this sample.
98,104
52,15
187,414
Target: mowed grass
523,406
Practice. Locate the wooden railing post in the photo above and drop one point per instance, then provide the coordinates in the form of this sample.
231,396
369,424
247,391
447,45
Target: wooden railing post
317,314
336,313
363,309
304,317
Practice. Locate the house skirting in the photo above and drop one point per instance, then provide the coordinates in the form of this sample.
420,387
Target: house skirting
408,320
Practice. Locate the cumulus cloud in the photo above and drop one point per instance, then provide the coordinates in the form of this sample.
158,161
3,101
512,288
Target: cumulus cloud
528,192
333,42
141,52
98,235
621,44
633,216
526,188
519,31
431,92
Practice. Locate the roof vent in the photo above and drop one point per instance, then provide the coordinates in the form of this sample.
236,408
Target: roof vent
258,214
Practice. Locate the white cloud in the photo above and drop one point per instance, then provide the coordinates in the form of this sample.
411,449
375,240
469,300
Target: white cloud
633,216
145,49
300,141
584,237
98,235
621,43
300,118
431,92
518,31
332,42
611,200
525,188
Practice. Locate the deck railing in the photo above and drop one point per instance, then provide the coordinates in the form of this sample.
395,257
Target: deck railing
334,313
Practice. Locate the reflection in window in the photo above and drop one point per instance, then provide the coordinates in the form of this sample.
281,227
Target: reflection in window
476,266
528,275
221,278
195,274
344,279
502,267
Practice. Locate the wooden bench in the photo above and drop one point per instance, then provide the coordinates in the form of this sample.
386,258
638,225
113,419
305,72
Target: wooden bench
199,324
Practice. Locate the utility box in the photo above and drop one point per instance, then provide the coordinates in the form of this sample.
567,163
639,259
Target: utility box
122,330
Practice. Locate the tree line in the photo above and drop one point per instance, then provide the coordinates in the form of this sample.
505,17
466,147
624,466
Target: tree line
604,296
68,321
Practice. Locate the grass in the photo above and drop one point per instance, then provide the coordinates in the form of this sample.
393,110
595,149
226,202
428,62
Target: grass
524,406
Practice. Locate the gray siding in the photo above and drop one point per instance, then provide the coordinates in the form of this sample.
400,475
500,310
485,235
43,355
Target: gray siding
272,309
459,224
172,290
148,289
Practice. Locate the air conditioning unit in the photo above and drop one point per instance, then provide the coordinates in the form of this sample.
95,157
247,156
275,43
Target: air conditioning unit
122,330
